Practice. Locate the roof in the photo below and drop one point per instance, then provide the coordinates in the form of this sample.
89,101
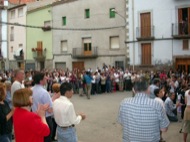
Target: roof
20,1
39,4
58,2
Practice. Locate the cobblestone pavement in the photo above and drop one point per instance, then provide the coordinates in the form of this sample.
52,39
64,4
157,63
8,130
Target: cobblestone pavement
101,122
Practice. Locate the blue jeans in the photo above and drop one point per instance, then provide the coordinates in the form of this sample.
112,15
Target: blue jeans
66,134
6,138
172,118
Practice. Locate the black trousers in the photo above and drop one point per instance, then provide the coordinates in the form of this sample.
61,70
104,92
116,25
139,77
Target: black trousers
50,124
54,129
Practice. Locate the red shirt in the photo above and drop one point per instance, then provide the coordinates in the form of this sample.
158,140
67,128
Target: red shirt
28,126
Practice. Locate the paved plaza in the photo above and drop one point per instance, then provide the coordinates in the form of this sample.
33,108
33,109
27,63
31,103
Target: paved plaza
101,122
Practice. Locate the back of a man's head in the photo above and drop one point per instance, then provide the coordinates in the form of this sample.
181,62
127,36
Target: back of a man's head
156,80
65,87
141,85
38,77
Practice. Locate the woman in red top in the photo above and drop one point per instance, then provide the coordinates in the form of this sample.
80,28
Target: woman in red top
28,126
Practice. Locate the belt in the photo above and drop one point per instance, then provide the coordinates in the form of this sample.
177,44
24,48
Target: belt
65,127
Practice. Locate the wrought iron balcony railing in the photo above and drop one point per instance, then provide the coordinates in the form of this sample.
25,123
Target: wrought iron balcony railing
181,30
91,52
145,33
39,54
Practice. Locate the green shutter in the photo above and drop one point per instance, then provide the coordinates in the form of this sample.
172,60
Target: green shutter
64,20
87,13
112,13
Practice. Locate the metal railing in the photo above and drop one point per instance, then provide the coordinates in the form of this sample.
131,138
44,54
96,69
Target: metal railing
39,55
145,32
80,53
180,29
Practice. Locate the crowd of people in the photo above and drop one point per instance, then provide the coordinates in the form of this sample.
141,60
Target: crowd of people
32,102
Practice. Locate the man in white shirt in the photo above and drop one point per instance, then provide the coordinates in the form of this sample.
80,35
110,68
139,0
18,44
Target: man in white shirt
65,116
18,78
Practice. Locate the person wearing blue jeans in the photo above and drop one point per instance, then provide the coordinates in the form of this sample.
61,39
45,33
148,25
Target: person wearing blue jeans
65,116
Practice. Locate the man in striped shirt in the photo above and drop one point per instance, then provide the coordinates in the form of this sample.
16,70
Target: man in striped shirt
142,118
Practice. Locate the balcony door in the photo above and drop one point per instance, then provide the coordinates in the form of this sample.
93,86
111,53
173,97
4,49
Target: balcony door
145,21
184,21
146,54
87,45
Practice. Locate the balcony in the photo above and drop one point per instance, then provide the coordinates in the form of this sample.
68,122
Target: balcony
181,30
11,37
47,28
145,33
39,54
19,54
80,53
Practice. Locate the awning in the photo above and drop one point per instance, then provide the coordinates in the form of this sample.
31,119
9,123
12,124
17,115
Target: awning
18,51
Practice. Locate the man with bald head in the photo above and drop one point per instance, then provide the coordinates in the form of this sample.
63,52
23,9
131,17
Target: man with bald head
18,78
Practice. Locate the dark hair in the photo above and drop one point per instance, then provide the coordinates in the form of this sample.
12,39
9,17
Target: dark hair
65,87
141,85
38,77
156,80
156,91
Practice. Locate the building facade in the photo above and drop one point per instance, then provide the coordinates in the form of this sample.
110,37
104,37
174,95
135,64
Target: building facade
39,37
17,37
4,65
89,33
159,33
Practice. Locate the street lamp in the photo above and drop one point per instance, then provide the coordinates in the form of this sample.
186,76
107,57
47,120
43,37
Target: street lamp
123,17
115,11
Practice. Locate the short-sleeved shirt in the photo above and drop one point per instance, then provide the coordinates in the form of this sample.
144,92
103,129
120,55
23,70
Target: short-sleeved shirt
142,118
41,96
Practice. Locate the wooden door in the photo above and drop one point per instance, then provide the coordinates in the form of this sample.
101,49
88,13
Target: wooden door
180,21
183,64
145,24
87,49
78,65
188,21
39,48
146,54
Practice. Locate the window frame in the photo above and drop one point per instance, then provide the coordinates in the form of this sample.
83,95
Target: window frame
64,21
87,13
112,13
61,43
112,37
22,14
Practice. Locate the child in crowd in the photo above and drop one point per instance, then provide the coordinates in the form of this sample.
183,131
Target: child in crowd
159,93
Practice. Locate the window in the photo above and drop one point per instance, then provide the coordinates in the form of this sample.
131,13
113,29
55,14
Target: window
12,14
47,23
12,34
185,44
114,42
112,12
11,49
87,46
20,12
87,13
64,20
64,46
20,45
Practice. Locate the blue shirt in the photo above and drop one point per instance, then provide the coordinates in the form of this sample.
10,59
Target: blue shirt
88,79
170,107
142,118
41,96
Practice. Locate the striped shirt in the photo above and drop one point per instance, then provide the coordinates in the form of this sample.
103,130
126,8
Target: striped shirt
142,118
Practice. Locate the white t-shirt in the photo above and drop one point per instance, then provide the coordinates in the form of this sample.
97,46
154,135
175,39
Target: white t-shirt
187,96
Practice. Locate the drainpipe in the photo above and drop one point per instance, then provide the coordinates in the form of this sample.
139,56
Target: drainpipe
133,34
